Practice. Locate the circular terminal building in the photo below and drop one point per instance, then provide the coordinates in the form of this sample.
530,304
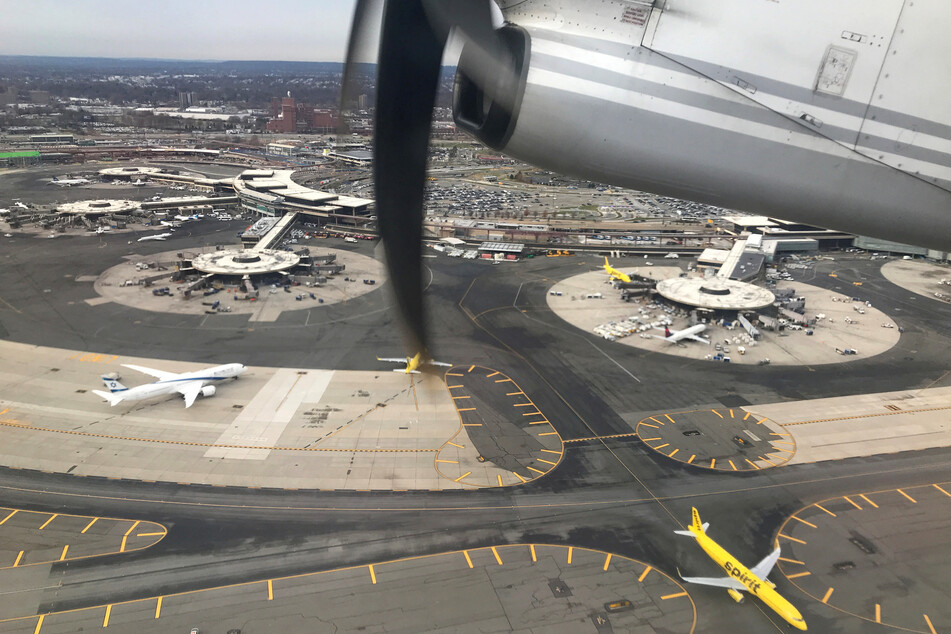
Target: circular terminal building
129,172
717,294
91,208
241,262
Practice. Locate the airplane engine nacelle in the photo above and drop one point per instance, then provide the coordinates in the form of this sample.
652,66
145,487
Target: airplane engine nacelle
624,115
208,390
736,595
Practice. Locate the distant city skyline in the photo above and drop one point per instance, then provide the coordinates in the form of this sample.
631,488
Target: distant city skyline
290,30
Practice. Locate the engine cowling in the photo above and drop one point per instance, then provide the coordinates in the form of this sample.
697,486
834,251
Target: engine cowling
736,595
208,390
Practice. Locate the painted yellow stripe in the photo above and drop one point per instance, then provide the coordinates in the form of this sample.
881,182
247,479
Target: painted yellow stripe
878,613
19,557
810,524
717,413
489,376
752,464
934,485
158,607
449,461
453,374
39,624
649,425
792,539
12,513
732,465
713,463
540,422
828,594
499,475
667,416
514,393
930,626
868,500
731,414
496,553
671,454
133,527
571,551
468,558
792,561
519,477
748,414
532,548
89,525
655,420
760,422
822,508
607,561
462,476
557,453
455,445
691,458
673,596
503,380
546,461
270,590
125,538
372,574
453,386
47,522
766,459
456,398
472,424
644,574
666,444
471,368
798,574
907,496
105,619
535,413
63,554
850,501
465,409
536,470
650,439
149,534
549,433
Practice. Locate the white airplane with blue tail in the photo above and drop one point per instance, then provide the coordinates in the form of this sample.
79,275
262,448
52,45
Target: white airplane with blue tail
189,384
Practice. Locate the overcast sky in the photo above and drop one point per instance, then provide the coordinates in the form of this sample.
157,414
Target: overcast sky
291,30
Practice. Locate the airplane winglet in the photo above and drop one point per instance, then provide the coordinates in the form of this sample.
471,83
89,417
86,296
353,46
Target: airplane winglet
686,533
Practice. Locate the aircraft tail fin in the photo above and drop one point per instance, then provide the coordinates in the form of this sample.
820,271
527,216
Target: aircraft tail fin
113,398
696,526
113,385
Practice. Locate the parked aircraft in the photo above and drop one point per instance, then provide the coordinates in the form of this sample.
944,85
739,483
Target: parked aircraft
413,363
693,332
69,182
186,218
742,579
138,183
614,273
157,236
175,224
189,384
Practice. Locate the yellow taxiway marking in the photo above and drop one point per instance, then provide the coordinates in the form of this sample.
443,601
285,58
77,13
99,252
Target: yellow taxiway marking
930,626
907,496
536,470
939,488
19,557
515,393
270,590
782,442
752,464
499,476
105,619
549,433
748,414
650,439
524,405
466,409
673,596
12,513
850,501
532,548
449,461
472,424
862,495
449,442
810,524
878,612
489,376
4,411
47,522
792,539
717,413
65,550
822,508
571,551
825,599
471,368
125,538
158,607
449,387
533,414
458,397
792,561
713,463
655,420
453,374
133,527
671,454
462,476
468,558
519,477
644,574
760,422
732,465
557,453
546,461
503,380
649,425
731,414
89,525
798,574
539,422
667,416
372,574
162,533
607,561
691,458
666,444
496,553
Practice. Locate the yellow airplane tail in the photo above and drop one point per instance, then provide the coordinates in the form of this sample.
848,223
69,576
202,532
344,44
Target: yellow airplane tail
696,526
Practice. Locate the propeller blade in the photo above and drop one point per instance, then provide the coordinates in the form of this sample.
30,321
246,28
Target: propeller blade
408,73
356,46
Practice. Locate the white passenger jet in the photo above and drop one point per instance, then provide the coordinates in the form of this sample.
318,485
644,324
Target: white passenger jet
413,363
157,236
69,182
188,384
693,332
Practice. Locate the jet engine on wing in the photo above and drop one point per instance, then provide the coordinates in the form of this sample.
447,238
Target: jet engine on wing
208,390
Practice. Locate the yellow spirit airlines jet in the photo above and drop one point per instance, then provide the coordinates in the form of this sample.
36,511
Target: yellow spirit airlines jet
412,364
742,579
614,273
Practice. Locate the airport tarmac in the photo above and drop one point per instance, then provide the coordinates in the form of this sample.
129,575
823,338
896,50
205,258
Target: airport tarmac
113,285
918,276
588,300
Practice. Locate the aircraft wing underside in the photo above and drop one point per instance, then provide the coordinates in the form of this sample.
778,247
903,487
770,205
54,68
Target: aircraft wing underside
763,568
720,582
190,390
